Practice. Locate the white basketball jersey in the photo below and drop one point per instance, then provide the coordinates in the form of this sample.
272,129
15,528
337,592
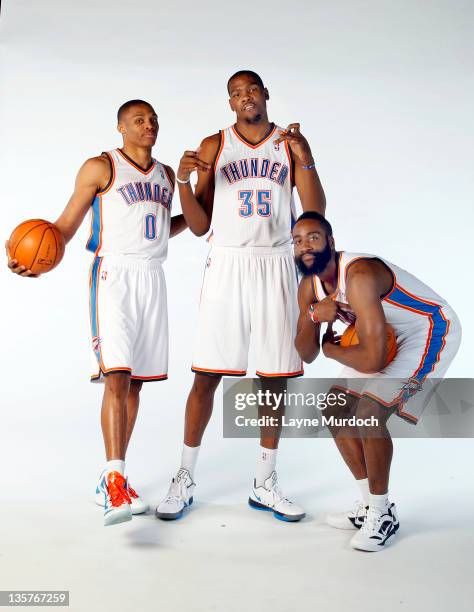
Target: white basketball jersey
132,215
253,201
410,307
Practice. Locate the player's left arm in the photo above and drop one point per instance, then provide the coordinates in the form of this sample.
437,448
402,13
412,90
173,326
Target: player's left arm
178,223
365,285
306,178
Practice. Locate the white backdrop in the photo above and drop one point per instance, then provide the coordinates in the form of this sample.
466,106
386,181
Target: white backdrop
384,94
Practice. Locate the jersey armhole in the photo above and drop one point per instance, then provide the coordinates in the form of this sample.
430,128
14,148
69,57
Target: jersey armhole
392,285
291,162
168,177
219,150
112,174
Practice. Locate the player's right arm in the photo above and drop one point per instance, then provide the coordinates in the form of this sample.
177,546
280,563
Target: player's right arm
197,205
91,178
307,332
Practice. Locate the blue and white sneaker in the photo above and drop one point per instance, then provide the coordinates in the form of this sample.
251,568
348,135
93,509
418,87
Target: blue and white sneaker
352,519
116,500
378,530
270,498
180,496
137,505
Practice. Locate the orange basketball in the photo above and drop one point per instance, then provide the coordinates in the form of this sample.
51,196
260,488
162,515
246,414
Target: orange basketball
349,338
36,244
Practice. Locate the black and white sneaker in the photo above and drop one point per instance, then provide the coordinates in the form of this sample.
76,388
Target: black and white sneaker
352,519
378,530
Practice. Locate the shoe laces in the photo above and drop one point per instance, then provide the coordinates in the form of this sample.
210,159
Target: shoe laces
116,488
277,492
131,491
372,520
359,508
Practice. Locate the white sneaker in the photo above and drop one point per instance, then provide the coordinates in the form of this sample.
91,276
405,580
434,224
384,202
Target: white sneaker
180,496
270,498
378,530
137,505
115,499
353,519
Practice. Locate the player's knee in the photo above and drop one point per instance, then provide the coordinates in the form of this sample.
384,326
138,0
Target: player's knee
117,383
135,386
205,386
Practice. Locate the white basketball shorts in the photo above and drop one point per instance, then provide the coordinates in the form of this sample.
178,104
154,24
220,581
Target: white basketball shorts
422,353
129,318
248,291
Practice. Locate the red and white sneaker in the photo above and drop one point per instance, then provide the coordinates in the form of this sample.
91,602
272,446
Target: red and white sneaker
115,498
137,505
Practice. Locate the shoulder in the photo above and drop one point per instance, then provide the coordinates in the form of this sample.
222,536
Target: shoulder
97,170
366,276
210,146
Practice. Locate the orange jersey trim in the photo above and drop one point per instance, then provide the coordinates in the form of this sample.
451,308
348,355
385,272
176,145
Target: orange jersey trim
290,162
280,374
232,372
168,176
219,151
259,144
129,161
150,378
112,178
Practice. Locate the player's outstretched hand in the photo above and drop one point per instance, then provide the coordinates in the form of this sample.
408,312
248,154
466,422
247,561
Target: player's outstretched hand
15,268
324,311
298,143
190,162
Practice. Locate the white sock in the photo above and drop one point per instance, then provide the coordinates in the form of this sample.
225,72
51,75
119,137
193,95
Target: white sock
115,465
363,484
189,458
378,502
266,464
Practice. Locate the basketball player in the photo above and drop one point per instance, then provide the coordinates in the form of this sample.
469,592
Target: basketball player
246,175
370,291
130,194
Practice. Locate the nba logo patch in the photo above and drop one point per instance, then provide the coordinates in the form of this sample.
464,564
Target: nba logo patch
208,262
162,174
409,389
103,275
96,342
276,145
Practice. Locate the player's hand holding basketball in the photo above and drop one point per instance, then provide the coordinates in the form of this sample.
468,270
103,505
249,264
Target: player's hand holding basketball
15,267
324,311
190,162
298,144
329,340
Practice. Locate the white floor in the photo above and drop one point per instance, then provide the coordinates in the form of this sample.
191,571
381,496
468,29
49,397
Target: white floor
225,557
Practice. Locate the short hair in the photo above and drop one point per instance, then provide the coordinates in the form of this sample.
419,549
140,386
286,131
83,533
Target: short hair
126,105
250,73
312,214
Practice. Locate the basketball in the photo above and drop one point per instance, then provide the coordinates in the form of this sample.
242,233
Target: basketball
36,244
349,338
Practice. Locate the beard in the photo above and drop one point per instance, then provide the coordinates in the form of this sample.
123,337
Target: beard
320,261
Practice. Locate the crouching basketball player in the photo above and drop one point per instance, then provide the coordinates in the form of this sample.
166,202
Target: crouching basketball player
130,194
246,175
367,290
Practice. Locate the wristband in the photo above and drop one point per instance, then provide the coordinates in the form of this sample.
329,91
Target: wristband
182,182
309,166
312,315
